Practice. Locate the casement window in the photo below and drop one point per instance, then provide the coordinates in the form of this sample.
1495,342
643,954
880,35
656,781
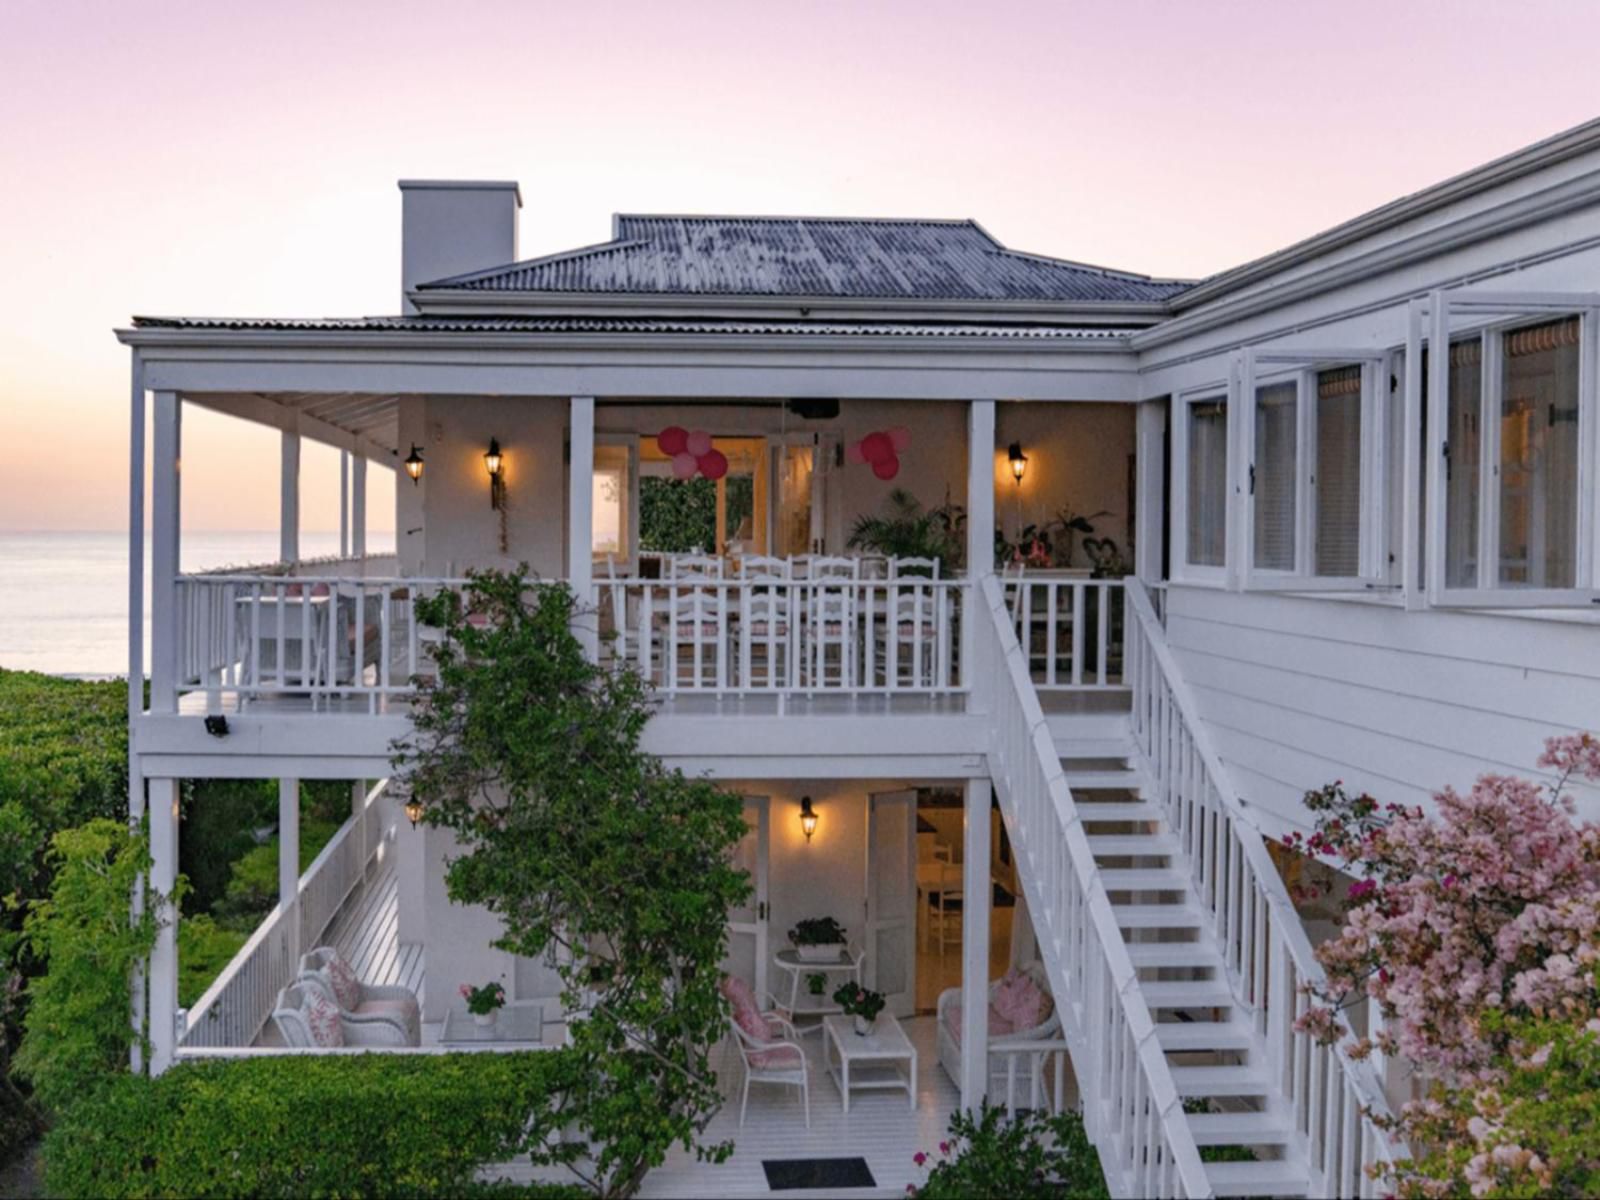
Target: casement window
1511,466
1312,455
615,496
1201,483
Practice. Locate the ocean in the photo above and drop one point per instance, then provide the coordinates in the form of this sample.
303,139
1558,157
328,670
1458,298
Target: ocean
64,596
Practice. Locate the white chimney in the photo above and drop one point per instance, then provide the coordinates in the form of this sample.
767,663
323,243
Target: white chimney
449,227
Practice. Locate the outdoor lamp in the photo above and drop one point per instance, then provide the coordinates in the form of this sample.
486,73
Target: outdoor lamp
1019,461
492,458
808,817
413,811
497,481
414,463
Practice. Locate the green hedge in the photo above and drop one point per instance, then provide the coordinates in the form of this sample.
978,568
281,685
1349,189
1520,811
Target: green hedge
312,1126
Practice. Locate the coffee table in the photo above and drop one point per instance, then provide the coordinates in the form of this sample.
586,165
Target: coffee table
517,1025
882,1059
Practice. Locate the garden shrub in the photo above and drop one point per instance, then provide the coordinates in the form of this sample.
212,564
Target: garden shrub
1030,1154
306,1126
204,948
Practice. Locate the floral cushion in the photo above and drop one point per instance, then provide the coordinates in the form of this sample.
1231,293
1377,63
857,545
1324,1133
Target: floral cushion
786,1055
746,1013
322,1019
346,987
999,1026
1021,1002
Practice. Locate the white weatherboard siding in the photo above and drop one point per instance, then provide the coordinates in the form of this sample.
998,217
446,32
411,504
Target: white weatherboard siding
1300,691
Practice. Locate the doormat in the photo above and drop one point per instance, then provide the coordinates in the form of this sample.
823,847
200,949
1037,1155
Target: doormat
794,1174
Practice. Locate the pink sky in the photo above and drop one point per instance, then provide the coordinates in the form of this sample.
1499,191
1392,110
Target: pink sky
241,159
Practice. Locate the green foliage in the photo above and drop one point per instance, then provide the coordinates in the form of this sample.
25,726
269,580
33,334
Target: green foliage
676,515
220,817
204,948
583,844
1031,1154
817,931
63,748
77,1032
346,1125
857,1001
905,530
252,889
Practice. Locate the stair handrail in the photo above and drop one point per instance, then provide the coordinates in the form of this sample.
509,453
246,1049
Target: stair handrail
1145,1101
1145,634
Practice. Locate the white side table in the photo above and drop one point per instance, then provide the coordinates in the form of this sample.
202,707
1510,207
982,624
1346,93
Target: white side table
803,1003
882,1059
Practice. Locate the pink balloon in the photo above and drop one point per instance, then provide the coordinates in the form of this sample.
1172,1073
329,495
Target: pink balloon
877,447
886,468
699,443
713,464
853,453
900,438
684,466
672,440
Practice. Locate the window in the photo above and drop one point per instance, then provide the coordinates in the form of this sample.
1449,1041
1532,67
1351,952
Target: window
1274,480
1206,493
1336,485
613,501
1509,523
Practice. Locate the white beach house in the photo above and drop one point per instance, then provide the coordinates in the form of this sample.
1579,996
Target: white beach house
1320,549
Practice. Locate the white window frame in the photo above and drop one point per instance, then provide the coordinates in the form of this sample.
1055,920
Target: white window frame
1259,367
630,550
1183,571
1487,315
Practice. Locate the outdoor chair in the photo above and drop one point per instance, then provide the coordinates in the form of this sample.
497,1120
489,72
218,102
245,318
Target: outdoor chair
365,1003
769,1047
307,1017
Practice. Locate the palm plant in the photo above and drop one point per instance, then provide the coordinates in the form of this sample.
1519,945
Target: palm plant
905,530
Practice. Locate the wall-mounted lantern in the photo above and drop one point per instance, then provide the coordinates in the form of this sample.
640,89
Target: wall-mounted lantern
413,808
808,817
414,463
494,463
1019,462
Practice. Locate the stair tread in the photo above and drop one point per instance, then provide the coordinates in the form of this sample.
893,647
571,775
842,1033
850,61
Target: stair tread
1105,780
1144,879
1158,916
1204,1035
1119,810
1201,993
1239,1129
1274,1177
1221,1081
1173,954
1134,845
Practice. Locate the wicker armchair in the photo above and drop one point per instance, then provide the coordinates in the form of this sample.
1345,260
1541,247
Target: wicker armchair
372,1003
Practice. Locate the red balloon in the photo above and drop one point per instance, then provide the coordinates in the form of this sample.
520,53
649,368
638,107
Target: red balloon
698,443
877,447
886,468
672,440
684,466
713,464
900,438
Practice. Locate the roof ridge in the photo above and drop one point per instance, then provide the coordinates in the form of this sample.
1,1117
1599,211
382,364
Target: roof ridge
536,261
844,220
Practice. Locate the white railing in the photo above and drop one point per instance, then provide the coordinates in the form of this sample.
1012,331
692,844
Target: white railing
785,636
1070,629
308,635
1269,958
234,1008
1136,1117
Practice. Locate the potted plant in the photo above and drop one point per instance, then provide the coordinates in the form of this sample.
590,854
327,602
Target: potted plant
815,982
484,1002
818,939
863,1004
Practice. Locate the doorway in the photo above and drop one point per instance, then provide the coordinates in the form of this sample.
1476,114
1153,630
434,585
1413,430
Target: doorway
941,881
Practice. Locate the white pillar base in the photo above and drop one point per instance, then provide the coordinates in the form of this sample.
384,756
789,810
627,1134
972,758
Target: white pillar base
977,895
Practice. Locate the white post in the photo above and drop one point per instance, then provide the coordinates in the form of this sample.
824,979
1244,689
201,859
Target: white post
289,865
289,498
977,893
358,804
165,504
164,958
580,509
344,504
1150,488
358,506
136,674
980,522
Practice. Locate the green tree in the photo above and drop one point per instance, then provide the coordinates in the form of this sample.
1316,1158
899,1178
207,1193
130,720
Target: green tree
677,515
583,845
76,1033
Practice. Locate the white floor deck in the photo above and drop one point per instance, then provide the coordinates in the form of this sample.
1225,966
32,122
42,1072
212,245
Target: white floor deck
366,931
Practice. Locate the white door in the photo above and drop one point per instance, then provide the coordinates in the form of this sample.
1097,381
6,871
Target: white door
891,941
747,923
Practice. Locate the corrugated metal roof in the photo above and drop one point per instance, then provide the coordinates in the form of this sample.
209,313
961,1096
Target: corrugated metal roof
813,257
641,325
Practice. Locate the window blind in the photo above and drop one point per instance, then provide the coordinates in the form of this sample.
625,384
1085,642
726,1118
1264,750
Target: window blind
1338,473
1207,498
1275,468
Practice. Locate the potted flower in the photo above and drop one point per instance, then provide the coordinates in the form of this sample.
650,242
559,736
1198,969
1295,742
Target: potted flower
484,1002
818,939
863,1004
815,983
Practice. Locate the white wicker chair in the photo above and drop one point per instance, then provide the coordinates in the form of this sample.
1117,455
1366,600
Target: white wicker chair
290,1016
396,1006
950,1047
786,1065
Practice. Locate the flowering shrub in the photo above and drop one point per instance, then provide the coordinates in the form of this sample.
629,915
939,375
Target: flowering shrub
1030,1154
483,1000
858,1001
1476,931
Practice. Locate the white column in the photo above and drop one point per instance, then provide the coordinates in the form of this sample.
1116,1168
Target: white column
289,864
977,893
980,523
1150,487
165,504
164,958
358,506
580,509
136,674
344,504
289,499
